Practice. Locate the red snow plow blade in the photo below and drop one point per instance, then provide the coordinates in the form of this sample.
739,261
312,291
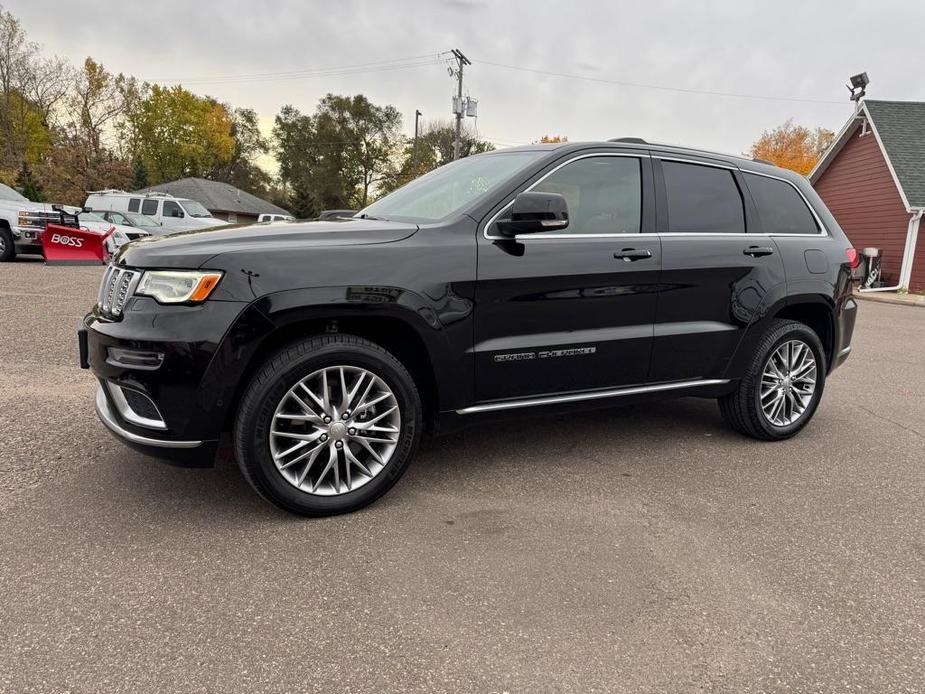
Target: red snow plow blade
63,245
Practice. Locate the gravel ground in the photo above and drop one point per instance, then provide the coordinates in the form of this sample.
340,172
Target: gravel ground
643,549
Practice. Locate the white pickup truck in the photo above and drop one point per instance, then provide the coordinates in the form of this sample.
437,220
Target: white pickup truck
22,223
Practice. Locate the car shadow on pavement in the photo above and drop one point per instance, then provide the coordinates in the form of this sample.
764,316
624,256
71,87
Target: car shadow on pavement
513,447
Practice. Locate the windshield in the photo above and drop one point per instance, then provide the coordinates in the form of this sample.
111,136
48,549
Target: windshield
7,193
194,209
446,190
140,220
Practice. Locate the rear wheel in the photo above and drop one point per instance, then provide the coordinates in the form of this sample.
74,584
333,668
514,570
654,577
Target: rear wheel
7,249
782,386
327,425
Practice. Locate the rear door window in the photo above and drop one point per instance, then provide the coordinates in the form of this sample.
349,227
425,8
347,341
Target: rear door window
133,204
703,199
781,208
149,207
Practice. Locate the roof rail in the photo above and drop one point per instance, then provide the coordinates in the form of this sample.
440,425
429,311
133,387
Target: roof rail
105,191
630,140
157,194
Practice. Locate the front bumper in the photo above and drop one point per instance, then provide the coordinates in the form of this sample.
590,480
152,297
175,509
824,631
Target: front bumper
178,403
108,417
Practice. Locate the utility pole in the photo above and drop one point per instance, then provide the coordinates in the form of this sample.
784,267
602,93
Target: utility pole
414,147
458,106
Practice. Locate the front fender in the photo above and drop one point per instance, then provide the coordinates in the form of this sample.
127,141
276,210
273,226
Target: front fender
438,321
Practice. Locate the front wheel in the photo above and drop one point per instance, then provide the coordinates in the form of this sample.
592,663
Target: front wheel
7,249
327,425
781,389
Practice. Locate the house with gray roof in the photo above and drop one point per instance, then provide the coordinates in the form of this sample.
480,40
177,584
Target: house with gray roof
223,200
872,178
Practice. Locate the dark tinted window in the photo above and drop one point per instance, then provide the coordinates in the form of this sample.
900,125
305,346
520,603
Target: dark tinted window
780,207
149,207
604,194
133,204
172,209
703,199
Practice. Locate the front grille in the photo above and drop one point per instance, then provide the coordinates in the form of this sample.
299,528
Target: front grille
117,286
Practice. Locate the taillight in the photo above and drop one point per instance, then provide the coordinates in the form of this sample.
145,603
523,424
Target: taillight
854,258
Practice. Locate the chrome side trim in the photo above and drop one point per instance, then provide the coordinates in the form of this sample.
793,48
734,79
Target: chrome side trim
700,162
592,395
823,231
105,415
845,351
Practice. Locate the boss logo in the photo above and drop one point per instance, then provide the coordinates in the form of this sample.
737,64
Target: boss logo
67,240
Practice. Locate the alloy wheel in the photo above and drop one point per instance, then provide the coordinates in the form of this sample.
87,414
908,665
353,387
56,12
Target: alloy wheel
788,382
335,430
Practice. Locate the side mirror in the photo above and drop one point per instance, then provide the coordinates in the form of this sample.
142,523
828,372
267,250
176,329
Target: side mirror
535,212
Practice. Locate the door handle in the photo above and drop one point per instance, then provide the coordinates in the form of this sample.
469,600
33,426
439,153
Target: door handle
628,255
758,251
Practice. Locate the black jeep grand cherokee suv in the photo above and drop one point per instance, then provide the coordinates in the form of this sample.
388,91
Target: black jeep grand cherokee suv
534,278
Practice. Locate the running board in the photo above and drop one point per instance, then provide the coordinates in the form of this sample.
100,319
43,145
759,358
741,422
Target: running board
593,395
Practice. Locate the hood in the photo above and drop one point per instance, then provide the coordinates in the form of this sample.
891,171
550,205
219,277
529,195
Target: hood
202,222
192,249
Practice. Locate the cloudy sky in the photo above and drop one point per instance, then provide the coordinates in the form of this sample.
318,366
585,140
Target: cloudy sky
265,54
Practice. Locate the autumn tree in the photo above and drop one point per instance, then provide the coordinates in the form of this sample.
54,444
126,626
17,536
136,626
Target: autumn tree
96,101
552,139
175,133
24,133
793,147
241,169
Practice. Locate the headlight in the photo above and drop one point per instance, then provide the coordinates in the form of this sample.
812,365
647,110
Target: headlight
34,220
178,286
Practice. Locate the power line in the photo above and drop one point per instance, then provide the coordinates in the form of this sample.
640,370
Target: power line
640,85
331,71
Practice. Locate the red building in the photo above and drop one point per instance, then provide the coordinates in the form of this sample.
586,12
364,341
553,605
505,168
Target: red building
872,178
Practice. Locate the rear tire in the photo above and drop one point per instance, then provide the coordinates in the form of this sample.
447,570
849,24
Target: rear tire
327,425
7,249
772,400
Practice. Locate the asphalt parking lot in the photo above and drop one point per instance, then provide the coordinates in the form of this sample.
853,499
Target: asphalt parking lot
643,549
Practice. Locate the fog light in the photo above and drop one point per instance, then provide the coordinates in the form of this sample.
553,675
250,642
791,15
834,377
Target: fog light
134,359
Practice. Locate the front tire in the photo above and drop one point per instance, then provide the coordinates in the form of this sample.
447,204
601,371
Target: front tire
782,386
327,425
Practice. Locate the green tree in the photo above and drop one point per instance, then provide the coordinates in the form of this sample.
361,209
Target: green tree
26,182
139,175
338,157
434,149
175,133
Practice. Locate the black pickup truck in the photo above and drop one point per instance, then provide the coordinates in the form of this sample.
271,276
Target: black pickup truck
532,279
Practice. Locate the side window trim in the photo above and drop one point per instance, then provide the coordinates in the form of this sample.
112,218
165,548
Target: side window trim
648,200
